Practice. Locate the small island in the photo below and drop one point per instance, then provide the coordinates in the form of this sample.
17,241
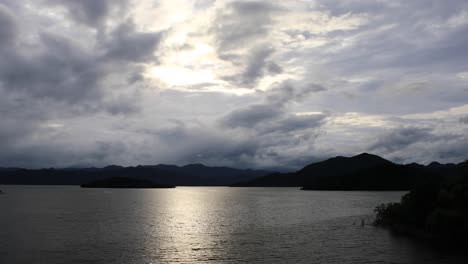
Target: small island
123,182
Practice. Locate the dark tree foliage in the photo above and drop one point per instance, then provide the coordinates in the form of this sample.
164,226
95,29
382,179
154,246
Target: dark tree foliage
437,208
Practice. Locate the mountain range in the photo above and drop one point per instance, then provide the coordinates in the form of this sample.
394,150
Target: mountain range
188,175
362,172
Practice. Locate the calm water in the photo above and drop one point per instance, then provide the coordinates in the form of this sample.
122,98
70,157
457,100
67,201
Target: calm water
58,224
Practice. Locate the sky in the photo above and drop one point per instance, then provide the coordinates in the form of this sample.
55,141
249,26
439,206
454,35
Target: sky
247,84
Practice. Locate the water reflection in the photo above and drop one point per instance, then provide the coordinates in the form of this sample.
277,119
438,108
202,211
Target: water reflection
210,225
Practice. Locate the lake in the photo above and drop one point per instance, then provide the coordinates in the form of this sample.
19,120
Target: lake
66,224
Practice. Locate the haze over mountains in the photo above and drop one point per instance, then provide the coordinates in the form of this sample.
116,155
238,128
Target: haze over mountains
361,172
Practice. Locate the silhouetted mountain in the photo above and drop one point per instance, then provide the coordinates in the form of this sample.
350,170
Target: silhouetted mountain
434,164
361,172
328,168
8,169
112,167
415,165
190,175
121,182
386,177
343,165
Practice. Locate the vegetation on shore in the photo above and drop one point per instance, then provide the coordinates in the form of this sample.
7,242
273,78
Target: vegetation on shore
436,209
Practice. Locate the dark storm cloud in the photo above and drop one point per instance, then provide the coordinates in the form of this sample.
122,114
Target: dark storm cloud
252,115
256,63
12,131
192,142
274,68
205,142
384,51
90,12
294,123
390,40
123,105
455,150
271,109
65,71
290,91
408,54
7,27
240,23
402,138
277,134
464,120
37,154
240,28
47,76
127,44
76,82
422,144
415,7
258,147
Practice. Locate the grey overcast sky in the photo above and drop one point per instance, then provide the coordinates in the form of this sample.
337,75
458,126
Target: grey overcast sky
259,84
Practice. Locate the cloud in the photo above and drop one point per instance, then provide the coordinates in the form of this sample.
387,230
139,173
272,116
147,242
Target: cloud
252,115
92,13
294,123
257,63
422,144
256,66
64,70
127,44
274,106
240,23
278,134
238,83
241,29
7,27
249,147
464,120
402,138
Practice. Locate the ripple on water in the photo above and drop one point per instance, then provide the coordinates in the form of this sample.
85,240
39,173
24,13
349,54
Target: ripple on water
50,224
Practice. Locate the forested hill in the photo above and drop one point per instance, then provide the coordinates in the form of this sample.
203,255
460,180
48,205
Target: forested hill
362,172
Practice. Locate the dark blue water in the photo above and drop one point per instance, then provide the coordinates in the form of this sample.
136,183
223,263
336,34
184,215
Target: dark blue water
59,224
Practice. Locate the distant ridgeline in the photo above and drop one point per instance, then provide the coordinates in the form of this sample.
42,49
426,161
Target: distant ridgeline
434,210
189,175
361,172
